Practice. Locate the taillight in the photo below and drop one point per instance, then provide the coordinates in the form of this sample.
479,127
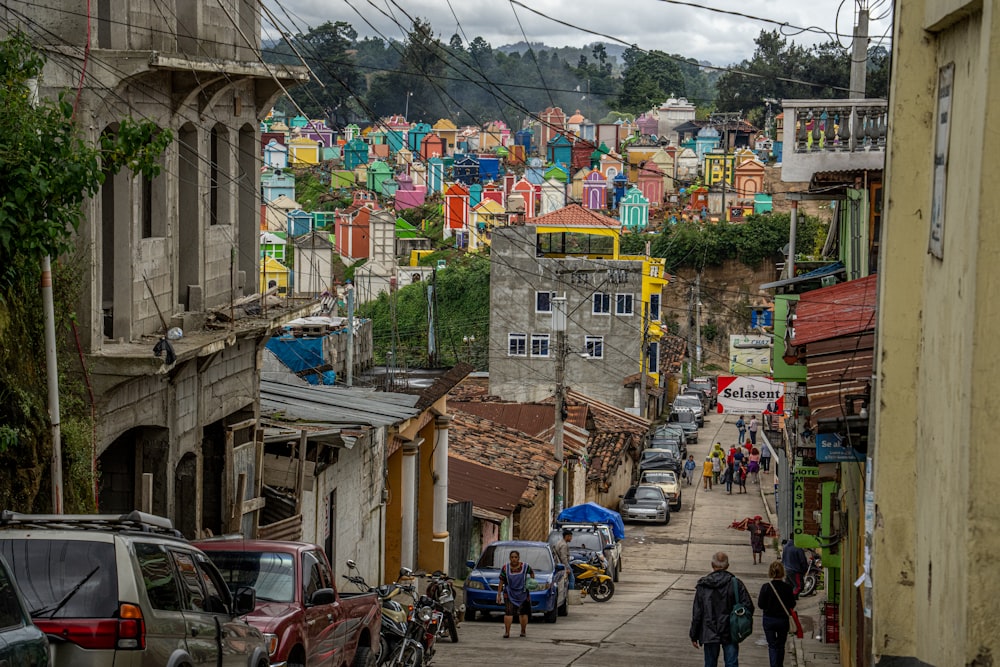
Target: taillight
126,633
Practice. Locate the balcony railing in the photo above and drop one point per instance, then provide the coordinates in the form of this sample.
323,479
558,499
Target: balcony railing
832,135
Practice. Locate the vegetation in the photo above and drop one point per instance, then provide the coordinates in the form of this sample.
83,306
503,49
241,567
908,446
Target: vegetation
49,171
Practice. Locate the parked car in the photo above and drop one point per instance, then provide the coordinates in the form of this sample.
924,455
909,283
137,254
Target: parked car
127,589
645,502
590,538
669,435
706,402
707,386
21,642
667,457
304,618
688,422
692,402
669,483
551,599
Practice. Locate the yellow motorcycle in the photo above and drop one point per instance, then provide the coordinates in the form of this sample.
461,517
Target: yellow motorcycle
592,579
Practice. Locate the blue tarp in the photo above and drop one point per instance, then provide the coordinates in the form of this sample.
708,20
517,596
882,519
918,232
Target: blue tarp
594,513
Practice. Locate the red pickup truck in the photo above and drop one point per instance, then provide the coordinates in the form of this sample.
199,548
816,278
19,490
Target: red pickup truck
305,620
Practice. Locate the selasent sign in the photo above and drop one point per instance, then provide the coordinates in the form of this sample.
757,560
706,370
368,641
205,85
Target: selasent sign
746,395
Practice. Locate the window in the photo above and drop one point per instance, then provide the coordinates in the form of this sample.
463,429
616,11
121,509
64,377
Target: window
653,359
217,594
312,577
543,302
11,615
623,304
539,345
602,303
654,307
517,345
654,271
158,575
191,581
594,346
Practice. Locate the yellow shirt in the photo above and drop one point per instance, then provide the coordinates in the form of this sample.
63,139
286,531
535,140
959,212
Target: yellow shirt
707,469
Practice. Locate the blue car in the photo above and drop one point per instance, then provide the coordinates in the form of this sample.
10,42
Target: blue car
552,597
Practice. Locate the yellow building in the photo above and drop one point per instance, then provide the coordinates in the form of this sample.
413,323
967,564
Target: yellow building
936,533
272,269
303,152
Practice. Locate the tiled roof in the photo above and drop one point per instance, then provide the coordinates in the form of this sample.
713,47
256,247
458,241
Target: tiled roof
443,384
502,448
487,488
472,388
574,215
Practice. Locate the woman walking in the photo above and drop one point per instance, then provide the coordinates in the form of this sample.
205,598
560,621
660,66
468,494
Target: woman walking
776,602
741,477
514,590
756,530
753,467
727,477
706,474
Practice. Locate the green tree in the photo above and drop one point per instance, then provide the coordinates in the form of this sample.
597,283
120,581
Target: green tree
49,171
650,77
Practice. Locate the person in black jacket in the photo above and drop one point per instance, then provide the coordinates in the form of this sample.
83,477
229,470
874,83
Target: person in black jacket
776,601
713,601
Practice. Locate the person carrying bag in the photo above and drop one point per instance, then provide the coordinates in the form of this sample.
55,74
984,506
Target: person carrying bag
777,602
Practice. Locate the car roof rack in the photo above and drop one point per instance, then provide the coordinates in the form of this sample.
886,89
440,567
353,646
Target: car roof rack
132,521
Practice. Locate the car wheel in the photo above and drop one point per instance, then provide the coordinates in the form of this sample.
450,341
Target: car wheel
666,521
552,616
364,657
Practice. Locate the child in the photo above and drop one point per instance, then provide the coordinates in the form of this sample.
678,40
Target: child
689,467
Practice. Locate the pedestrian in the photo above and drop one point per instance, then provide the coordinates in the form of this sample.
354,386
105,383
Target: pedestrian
741,477
794,560
716,468
714,599
752,429
727,477
776,602
689,467
561,550
738,456
732,453
756,530
753,465
741,425
765,458
717,449
706,474
513,591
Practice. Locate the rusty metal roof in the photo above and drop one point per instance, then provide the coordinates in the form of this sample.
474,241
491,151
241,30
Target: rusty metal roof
835,311
487,488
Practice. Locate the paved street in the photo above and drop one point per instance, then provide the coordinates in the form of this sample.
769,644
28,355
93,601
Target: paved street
647,621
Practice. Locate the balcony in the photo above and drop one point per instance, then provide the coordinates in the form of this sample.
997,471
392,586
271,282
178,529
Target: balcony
832,135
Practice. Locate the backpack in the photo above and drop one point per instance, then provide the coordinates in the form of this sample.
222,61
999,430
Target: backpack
740,618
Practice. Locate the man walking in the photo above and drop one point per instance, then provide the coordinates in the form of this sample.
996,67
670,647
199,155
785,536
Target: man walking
794,560
765,458
714,599
752,429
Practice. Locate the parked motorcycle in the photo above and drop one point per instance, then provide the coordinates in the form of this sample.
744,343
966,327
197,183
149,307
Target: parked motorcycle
400,641
424,623
441,590
592,578
813,573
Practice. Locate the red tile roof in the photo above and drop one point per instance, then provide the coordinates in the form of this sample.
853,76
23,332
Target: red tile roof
574,215
838,310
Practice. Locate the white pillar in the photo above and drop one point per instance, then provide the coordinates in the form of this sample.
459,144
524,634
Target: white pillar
409,503
440,462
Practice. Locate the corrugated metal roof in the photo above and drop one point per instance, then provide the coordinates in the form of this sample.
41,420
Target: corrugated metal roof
335,405
839,310
488,489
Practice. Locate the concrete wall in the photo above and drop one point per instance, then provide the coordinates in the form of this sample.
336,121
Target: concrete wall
515,275
936,538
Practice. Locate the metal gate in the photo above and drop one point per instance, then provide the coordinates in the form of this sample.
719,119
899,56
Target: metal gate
459,538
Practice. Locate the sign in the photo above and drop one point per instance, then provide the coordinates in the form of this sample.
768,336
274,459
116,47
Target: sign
749,355
747,395
833,448
942,142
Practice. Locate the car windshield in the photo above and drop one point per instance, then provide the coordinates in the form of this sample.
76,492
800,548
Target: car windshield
64,578
271,575
659,454
701,386
497,555
688,399
659,478
646,493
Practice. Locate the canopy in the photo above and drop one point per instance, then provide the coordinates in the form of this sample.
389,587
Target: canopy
594,513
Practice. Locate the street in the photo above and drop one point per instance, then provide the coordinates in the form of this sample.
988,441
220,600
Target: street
647,620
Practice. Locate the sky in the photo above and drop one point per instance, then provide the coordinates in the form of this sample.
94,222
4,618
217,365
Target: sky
686,27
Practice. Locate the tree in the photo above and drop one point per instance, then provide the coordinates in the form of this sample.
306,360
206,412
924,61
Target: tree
327,50
650,77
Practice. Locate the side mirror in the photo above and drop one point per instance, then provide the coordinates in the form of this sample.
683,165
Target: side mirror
405,572
244,601
322,596
351,565
470,563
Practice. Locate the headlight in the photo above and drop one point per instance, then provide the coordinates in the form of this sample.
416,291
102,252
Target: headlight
671,495
662,506
476,585
425,614
271,641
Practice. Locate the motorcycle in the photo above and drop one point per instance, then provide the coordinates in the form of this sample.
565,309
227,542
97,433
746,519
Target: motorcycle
592,578
441,590
813,573
399,640
424,623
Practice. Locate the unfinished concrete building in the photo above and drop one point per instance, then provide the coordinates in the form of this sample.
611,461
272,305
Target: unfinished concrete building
177,250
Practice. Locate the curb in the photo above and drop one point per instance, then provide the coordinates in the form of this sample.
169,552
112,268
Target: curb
800,654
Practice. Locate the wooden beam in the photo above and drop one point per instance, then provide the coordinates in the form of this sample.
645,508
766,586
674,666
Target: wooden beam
236,515
301,483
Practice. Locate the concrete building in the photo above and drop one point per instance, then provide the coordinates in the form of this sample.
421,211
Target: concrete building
613,302
935,538
179,247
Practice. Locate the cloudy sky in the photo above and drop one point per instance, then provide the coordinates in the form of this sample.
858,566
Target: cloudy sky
687,27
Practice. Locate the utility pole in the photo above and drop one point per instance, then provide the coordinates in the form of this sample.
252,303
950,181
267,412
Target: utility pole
793,223
431,343
559,327
350,334
697,324
643,364
859,57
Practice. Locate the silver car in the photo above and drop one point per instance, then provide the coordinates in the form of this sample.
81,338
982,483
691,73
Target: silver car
691,402
645,502
127,591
